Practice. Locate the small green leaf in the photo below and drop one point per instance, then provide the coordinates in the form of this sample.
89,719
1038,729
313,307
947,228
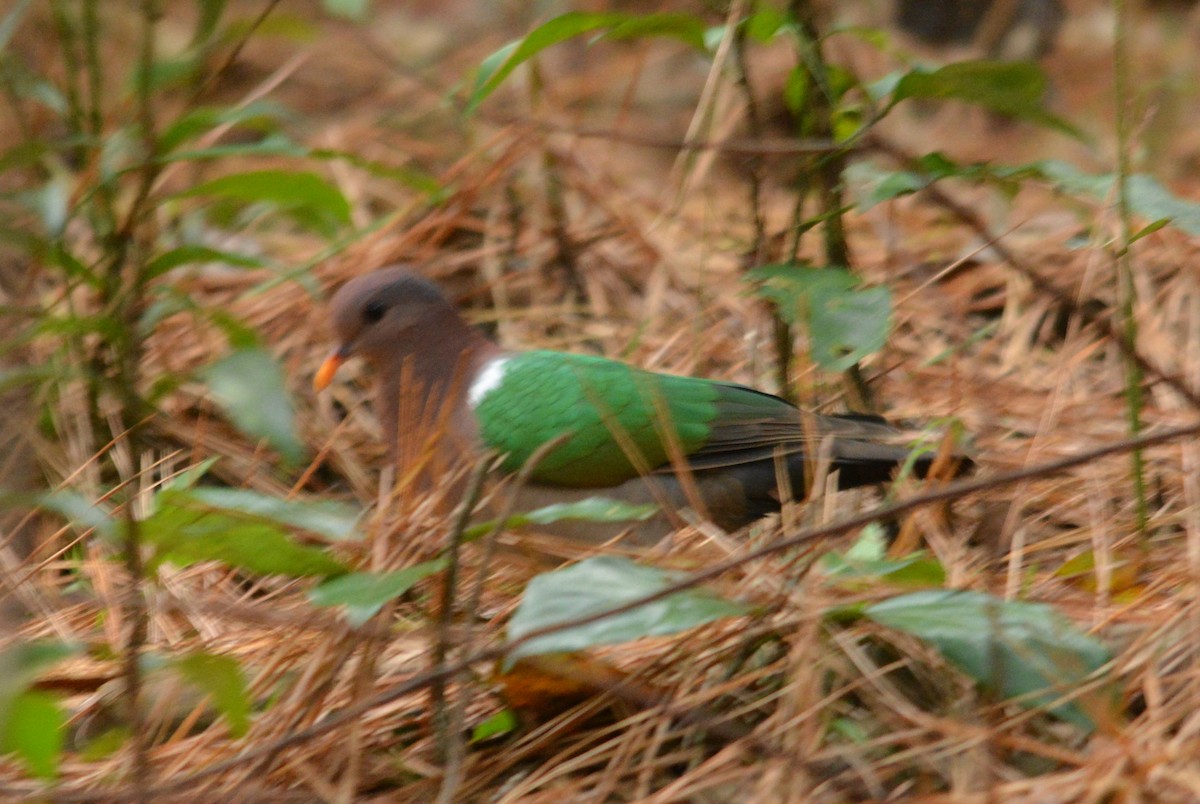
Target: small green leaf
222,679
500,64
1015,89
365,593
34,728
260,117
1149,229
185,255
1012,648
845,324
502,722
601,584
308,198
249,387
592,509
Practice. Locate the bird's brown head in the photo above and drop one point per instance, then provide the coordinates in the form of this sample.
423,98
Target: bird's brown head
385,316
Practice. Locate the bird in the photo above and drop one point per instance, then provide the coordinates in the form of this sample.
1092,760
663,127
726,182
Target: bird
598,427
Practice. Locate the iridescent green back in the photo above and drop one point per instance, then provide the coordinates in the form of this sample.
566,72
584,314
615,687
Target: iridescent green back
607,408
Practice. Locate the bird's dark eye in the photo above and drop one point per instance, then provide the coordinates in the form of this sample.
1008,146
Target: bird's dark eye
374,311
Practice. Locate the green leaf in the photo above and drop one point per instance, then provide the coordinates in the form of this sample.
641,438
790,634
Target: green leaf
260,117
1011,648
329,519
186,528
844,324
1014,89
1147,197
365,593
77,509
185,255
500,64
500,723
249,387
34,728
592,509
766,22
206,22
309,199
222,679
866,562
601,584
1149,229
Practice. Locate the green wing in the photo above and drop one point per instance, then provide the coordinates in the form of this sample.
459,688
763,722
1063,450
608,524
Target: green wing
617,419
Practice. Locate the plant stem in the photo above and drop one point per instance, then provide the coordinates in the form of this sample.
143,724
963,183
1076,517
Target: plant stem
1128,291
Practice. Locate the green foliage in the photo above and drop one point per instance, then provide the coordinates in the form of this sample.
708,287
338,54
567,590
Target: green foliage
1026,651
34,728
365,593
221,678
592,509
845,324
500,64
306,197
197,525
601,584
866,563
249,385
1013,89
32,724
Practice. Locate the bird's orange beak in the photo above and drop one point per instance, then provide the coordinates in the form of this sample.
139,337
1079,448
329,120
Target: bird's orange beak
325,373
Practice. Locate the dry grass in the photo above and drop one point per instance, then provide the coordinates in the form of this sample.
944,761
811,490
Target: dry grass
592,244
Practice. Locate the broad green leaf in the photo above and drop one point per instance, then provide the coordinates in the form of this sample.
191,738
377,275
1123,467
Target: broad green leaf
365,593
222,679
307,197
601,584
186,255
1147,197
1015,89
844,324
329,519
592,509
500,64
34,728
249,386
185,529
1012,648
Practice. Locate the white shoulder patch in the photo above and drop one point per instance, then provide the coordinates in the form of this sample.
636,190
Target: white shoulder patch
488,380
